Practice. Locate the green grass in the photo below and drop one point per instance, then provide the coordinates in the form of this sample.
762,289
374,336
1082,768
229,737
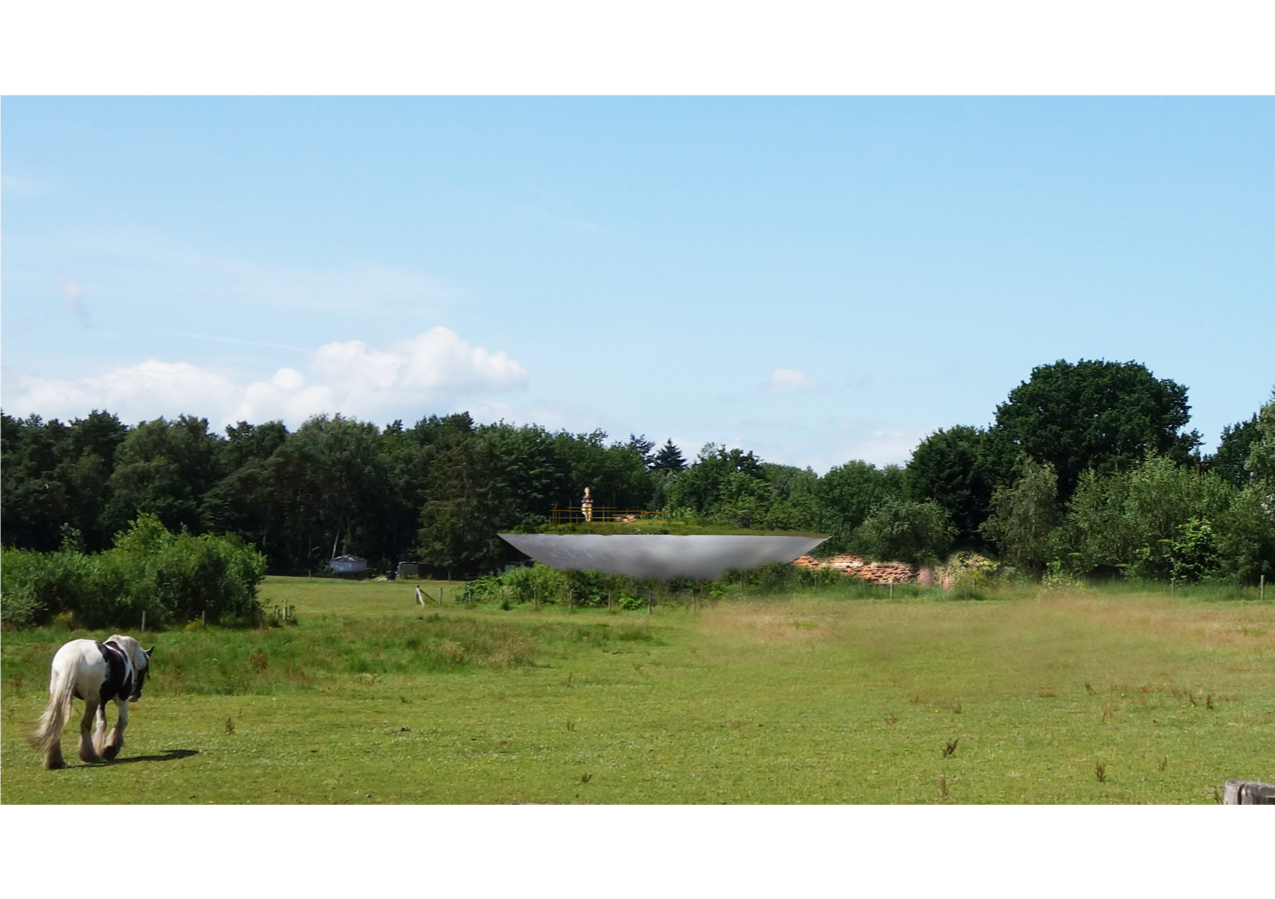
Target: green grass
812,699
686,527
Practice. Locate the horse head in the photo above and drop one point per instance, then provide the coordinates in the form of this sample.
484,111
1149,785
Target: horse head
140,659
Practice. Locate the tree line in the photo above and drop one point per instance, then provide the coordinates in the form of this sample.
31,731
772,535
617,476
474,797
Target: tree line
1087,468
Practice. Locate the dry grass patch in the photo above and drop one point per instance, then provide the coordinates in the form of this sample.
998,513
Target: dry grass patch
1247,626
783,622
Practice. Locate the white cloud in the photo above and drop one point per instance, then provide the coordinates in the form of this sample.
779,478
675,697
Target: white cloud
135,392
431,371
788,379
73,294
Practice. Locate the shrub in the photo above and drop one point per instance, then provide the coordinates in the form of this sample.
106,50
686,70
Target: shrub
539,583
898,530
172,578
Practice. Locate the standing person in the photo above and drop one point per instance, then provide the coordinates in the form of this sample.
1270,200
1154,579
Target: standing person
586,505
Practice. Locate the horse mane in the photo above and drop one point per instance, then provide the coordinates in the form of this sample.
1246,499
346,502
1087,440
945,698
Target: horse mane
132,649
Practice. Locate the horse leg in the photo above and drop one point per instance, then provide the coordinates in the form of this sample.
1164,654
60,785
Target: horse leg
53,755
116,741
99,728
87,752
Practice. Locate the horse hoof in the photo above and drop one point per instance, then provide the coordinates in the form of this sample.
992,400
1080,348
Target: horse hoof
109,753
55,765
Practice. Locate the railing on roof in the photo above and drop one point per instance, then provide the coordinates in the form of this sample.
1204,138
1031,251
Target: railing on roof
575,515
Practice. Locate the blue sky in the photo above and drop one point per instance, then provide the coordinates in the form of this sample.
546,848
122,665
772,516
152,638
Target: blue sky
815,279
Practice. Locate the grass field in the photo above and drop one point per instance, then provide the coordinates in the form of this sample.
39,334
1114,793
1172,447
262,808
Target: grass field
1119,697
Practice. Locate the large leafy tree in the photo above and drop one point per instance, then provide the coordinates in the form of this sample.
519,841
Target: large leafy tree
616,475
331,482
499,478
93,442
1246,534
955,469
719,477
409,455
1141,521
1261,454
246,501
846,496
166,468
1096,415
34,499
56,479
920,533
792,504
1024,517
1233,451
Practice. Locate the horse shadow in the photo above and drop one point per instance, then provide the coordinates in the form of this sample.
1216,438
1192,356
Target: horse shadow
169,755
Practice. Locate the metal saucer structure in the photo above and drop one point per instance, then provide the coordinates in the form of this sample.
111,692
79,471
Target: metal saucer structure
660,556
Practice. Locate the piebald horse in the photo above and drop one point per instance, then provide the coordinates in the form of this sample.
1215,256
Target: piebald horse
96,673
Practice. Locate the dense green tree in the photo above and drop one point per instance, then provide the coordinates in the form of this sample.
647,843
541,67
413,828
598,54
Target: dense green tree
899,530
793,501
846,496
247,443
56,476
165,468
1138,521
331,483
85,471
1233,451
408,456
669,458
500,478
616,475
643,448
953,468
244,501
34,502
1024,517
1261,454
1246,535
1101,534
720,477
1096,414
1193,552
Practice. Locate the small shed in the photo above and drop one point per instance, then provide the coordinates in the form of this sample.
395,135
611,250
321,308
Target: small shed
408,569
348,564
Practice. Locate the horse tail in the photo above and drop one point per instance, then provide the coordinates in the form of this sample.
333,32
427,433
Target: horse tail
58,712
